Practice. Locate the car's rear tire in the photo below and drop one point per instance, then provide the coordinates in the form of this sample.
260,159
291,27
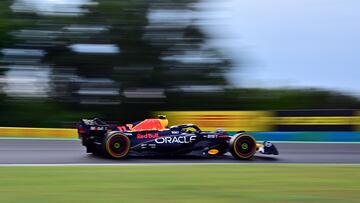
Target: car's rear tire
116,145
242,146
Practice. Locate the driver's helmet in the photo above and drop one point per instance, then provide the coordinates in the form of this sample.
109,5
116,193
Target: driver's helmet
163,120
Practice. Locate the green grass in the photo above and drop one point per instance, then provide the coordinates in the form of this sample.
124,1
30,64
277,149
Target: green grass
181,183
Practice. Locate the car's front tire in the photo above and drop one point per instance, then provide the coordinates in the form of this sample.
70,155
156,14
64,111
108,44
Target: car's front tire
116,145
242,146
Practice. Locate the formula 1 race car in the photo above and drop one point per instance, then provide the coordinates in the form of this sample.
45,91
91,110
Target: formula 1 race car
152,137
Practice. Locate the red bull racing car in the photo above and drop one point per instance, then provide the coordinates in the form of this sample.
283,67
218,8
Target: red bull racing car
153,137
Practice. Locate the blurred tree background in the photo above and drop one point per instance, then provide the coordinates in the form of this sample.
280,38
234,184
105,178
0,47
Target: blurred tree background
120,60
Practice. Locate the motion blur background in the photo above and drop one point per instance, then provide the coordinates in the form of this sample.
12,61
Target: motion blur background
62,60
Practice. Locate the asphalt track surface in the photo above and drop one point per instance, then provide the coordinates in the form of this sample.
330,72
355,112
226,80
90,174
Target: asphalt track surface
23,151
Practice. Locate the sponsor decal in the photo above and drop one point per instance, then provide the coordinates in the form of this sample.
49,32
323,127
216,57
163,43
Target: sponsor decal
180,139
213,151
268,144
98,128
147,136
148,146
211,136
175,132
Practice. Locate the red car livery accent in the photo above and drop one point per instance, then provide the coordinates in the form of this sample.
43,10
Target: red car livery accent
149,124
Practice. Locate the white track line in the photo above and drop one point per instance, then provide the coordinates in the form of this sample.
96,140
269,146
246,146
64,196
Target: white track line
170,164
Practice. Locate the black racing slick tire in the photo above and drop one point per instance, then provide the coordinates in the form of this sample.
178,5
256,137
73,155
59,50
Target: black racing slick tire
242,146
116,145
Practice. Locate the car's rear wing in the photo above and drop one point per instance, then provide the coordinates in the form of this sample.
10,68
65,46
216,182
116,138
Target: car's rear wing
90,126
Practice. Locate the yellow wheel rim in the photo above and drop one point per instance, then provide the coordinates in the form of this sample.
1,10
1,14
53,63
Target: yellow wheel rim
117,145
244,146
